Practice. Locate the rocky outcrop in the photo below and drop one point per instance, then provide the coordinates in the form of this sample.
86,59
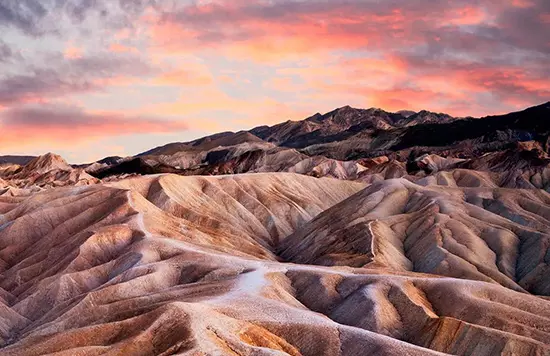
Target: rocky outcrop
49,170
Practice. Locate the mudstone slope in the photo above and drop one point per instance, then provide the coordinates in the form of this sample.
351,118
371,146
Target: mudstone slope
249,244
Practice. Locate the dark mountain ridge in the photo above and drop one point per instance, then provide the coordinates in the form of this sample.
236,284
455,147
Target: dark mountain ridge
347,134
20,160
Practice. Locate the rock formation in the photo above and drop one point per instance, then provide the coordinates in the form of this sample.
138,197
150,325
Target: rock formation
230,265
49,170
342,234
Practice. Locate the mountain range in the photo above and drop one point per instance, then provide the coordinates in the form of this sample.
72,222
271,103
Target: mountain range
356,232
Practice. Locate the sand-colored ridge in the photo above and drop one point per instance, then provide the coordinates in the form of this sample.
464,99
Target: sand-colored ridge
490,234
166,264
49,170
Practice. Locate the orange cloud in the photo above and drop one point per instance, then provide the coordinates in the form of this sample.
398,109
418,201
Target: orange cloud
467,16
283,84
32,125
403,98
72,52
522,3
241,113
118,48
464,57
243,29
446,49
183,77
277,41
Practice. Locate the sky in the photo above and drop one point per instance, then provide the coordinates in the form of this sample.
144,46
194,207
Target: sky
93,78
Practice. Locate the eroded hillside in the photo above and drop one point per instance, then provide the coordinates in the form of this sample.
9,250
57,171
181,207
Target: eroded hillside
273,264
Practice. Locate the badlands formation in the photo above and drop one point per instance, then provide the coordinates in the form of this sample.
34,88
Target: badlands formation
262,243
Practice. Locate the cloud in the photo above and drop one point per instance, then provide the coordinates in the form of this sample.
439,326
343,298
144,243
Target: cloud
39,18
236,113
119,48
349,24
250,62
7,53
482,49
39,85
68,76
23,15
73,52
291,26
188,74
32,125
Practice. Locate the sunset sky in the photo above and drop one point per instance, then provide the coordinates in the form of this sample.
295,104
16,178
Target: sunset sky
91,78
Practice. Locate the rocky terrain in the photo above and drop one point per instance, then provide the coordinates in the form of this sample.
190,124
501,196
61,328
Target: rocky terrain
357,232
351,144
49,170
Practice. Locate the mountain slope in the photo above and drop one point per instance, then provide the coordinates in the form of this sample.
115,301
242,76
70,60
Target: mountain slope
493,235
49,170
20,160
433,240
347,135
335,125
152,265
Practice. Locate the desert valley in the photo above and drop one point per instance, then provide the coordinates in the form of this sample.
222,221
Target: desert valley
355,232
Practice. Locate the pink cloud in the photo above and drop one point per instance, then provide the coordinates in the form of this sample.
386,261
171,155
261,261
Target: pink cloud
437,42
33,125
72,52
187,76
265,30
242,63
118,48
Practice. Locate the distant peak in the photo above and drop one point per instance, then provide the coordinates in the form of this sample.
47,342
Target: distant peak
47,162
347,108
406,113
314,117
342,109
50,157
427,112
